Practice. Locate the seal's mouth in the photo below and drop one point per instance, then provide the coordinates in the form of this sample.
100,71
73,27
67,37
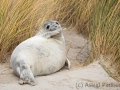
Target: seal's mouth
56,29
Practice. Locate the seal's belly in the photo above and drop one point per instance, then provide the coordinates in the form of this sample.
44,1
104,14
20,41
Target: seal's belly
49,58
45,56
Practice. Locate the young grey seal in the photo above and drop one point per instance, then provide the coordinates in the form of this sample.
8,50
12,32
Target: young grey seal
42,54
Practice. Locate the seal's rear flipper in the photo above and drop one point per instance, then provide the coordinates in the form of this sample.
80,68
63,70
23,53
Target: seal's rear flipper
68,63
26,75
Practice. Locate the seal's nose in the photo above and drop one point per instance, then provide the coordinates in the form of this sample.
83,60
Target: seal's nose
57,23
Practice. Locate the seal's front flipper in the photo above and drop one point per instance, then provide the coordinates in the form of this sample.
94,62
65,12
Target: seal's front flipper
50,33
68,63
26,75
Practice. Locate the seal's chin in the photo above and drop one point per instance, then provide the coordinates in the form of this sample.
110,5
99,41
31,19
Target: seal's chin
52,29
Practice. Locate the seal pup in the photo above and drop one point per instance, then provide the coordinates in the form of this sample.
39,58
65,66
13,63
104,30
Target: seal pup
42,54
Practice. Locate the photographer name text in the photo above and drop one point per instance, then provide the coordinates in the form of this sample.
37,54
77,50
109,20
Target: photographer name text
96,85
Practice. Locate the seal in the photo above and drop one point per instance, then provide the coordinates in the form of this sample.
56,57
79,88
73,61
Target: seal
42,54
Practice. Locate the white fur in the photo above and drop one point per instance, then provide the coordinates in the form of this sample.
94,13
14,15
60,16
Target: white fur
44,56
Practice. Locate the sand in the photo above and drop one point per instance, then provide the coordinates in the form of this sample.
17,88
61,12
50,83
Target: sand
90,77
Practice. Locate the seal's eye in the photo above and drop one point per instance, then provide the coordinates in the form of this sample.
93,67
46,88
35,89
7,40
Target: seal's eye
56,22
48,26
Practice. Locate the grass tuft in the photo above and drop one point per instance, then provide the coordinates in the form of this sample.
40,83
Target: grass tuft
19,20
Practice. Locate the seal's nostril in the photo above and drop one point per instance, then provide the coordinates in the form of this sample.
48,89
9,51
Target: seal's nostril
57,23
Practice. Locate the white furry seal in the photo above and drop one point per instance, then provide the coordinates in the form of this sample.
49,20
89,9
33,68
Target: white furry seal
43,54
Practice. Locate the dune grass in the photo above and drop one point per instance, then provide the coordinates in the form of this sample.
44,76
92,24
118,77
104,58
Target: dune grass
74,13
105,34
19,20
99,21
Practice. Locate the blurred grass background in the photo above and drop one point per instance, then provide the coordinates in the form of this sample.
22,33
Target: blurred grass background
98,20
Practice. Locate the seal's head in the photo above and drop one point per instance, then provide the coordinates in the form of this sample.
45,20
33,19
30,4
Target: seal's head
51,25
